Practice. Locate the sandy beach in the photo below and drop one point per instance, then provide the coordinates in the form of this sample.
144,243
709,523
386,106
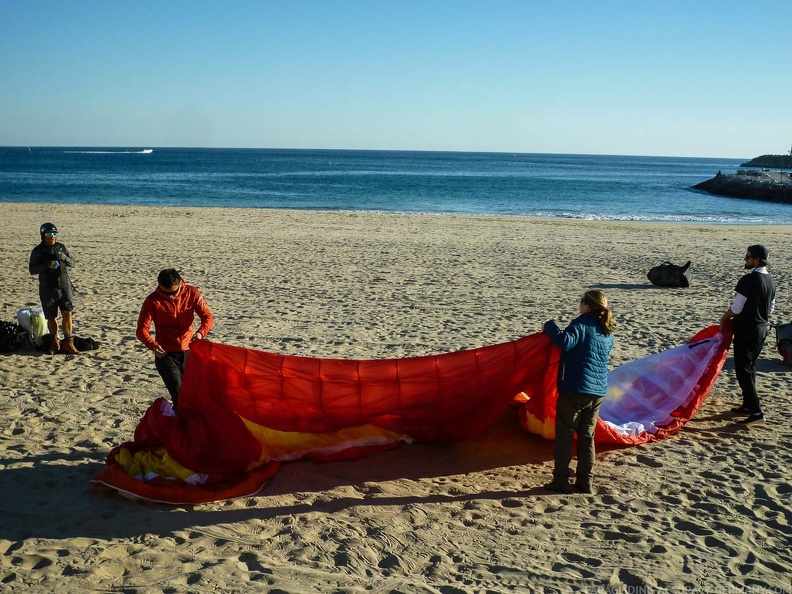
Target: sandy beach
707,510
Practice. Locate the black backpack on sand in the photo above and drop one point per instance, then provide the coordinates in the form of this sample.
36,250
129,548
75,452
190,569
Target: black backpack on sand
670,275
11,336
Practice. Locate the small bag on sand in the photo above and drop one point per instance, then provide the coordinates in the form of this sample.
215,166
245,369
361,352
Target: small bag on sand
670,275
784,342
32,320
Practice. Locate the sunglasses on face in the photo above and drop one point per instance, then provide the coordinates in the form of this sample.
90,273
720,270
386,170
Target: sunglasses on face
171,293
51,234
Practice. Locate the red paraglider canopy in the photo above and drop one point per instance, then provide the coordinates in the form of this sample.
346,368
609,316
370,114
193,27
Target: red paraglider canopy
242,412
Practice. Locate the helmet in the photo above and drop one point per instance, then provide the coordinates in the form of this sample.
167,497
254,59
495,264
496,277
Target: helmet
47,227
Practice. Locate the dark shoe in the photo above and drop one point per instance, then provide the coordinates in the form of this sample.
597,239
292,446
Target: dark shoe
740,410
752,419
584,488
558,487
54,345
68,346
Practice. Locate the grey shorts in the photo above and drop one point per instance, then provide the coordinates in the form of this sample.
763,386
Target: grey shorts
54,299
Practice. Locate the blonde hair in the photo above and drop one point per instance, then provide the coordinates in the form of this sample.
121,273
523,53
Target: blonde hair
598,304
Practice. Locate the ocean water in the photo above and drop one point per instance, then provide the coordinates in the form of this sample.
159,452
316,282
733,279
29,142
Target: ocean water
596,187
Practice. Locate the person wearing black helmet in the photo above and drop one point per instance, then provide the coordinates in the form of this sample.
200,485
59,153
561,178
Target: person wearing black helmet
753,303
51,261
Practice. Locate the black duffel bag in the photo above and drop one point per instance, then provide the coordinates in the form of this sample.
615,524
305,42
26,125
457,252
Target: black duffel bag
11,336
670,275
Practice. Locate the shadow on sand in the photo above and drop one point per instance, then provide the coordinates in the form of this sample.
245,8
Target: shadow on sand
48,495
627,286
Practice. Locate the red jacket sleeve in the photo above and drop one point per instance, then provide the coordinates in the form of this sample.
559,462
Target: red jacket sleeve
144,325
205,315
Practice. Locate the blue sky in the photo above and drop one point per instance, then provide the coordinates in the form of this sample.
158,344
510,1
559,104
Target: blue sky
667,77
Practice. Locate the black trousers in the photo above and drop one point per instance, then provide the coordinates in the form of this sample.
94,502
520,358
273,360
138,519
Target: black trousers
575,413
171,369
747,347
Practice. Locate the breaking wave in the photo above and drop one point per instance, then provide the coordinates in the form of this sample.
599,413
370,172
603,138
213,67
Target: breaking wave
141,152
659,218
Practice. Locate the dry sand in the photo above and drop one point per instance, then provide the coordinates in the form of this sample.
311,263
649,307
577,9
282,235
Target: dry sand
707,509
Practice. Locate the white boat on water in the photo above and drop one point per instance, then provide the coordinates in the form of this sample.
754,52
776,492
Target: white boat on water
147,151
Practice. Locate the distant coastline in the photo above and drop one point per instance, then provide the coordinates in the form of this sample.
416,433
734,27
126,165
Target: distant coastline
774,161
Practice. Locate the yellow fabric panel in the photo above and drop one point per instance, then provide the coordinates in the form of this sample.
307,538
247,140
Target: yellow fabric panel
141,464
287,445
545,428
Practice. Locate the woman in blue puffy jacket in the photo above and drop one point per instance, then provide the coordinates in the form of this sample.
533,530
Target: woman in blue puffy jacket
582,384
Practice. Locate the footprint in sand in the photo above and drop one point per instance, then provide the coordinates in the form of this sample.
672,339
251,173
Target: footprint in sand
647,461
250,560
686,526
711,542
31,562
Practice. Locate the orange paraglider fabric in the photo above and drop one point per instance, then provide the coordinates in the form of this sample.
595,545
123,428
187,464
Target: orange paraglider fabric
243,412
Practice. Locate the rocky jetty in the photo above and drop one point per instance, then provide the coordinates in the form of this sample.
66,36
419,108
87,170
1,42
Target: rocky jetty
770,186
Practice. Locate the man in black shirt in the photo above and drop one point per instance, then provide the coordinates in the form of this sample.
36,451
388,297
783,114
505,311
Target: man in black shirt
51,261
751,309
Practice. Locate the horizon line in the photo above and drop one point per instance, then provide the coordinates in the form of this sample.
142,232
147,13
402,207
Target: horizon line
141,147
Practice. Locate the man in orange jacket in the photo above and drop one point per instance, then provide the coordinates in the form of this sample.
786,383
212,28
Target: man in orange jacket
172,308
